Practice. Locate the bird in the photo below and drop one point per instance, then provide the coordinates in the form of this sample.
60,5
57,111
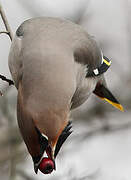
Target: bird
55,65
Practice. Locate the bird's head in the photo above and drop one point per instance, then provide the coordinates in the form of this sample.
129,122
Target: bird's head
46,164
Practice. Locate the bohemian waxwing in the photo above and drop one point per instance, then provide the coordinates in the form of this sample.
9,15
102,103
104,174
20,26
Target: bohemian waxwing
55,65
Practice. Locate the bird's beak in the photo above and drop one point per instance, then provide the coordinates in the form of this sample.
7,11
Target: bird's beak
36,167
36,160
50,155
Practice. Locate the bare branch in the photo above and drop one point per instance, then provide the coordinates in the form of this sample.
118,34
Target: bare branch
9,33
7,80
4,32
5,21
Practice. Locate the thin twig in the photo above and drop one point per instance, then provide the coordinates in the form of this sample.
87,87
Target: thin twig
4,32
9,33
7,80
5,21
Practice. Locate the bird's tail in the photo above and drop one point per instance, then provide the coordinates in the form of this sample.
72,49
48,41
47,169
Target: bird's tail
102,92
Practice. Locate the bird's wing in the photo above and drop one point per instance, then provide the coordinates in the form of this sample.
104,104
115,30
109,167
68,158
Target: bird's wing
14,61
96,64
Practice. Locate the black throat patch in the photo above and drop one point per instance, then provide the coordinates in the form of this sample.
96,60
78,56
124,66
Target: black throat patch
43,145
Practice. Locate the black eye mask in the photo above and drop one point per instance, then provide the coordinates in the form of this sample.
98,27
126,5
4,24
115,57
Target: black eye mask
64,135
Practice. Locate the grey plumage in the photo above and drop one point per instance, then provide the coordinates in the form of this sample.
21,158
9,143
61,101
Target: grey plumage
49,61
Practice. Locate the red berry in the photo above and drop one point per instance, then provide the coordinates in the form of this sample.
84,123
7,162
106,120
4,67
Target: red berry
46,166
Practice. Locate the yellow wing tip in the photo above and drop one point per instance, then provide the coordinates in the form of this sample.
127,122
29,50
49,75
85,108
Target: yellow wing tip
106,62
116,105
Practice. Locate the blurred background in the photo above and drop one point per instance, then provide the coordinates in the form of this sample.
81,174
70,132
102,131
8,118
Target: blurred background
100,146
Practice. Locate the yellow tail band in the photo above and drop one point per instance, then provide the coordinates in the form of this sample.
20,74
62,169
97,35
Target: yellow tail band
116,105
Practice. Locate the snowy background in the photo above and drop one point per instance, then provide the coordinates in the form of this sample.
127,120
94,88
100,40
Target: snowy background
100,146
